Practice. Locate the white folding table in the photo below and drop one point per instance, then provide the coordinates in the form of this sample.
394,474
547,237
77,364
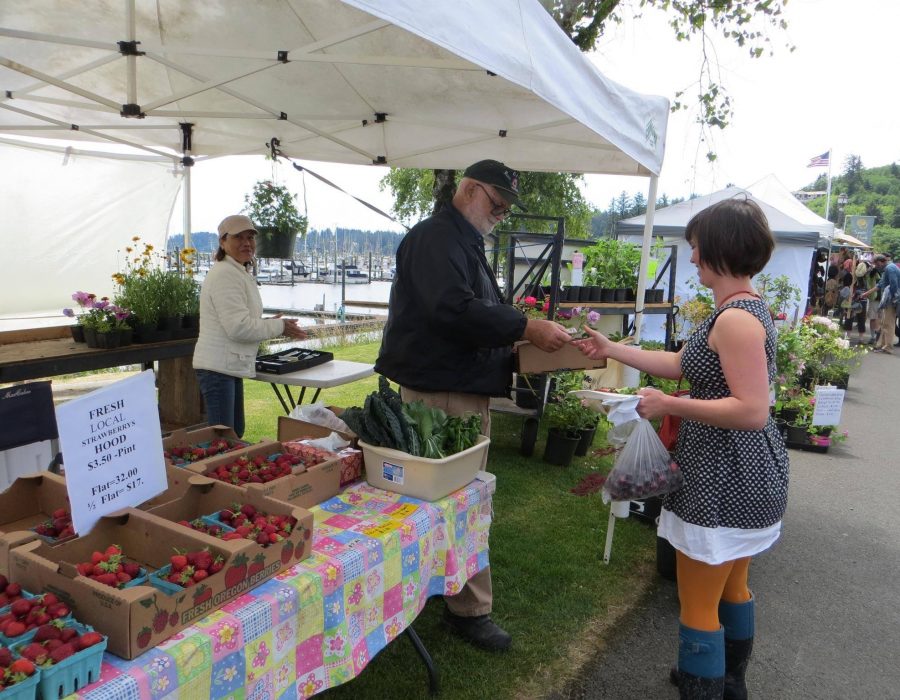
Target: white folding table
324,376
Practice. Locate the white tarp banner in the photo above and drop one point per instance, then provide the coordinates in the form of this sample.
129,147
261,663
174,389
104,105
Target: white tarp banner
67,221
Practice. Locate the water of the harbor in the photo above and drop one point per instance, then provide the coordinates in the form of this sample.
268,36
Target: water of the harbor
312,297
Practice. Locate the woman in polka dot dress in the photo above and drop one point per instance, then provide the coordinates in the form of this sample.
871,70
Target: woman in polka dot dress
732,456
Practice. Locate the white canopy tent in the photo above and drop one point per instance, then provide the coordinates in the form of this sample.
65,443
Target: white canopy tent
771,190
389,82
795,243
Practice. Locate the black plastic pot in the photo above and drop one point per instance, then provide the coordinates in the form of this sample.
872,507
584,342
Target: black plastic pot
607,295
596,293
620,293
797,434
574,294
275,243
585,294
77,333
585,440
530,389
560,447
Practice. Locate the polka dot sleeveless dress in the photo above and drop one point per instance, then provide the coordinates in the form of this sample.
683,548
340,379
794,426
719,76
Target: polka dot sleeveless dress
732,478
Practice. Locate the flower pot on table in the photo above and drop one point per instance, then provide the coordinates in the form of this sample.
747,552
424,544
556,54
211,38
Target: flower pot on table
90,337
77,333
108,340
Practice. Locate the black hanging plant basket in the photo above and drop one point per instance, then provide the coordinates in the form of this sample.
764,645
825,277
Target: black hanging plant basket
274,211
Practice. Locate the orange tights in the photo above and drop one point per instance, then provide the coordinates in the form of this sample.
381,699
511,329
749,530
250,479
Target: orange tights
701,586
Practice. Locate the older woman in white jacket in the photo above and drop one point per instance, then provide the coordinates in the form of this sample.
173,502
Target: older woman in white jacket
231,325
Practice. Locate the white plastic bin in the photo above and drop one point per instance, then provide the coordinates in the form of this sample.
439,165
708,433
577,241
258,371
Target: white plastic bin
419,477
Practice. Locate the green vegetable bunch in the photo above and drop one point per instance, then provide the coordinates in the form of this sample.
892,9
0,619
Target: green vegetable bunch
414,428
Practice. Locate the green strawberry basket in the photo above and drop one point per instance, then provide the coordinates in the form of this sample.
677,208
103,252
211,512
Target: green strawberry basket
23,690
71,674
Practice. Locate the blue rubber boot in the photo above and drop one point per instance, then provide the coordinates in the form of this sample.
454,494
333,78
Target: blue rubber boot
701,664
738,621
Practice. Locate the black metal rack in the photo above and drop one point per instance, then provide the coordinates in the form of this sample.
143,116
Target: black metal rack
550,257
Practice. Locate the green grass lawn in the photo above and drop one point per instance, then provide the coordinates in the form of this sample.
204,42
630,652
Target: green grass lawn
552,591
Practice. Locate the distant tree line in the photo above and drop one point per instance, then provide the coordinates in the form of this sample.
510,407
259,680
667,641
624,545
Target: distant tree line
350,241
603,222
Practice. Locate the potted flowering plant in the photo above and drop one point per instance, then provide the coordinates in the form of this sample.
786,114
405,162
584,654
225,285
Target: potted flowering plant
272,208
105,323
85,301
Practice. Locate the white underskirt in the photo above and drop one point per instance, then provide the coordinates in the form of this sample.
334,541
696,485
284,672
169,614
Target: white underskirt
715,545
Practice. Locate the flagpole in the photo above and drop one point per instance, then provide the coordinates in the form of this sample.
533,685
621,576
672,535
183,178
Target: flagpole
828,187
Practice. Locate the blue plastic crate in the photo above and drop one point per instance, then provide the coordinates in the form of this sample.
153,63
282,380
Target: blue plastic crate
158,580
24,690
9,641
74,673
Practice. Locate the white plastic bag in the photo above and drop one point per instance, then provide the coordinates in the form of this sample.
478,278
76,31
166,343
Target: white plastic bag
318,414
643,467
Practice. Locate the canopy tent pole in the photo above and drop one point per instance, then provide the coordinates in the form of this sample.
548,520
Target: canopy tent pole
645,258
187,130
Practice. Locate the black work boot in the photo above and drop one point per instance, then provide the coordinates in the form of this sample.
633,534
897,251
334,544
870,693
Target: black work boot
737,654
480,631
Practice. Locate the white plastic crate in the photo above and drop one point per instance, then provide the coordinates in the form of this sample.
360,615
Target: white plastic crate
420,477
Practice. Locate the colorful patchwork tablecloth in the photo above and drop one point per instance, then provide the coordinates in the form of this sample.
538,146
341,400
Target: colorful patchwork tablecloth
376,558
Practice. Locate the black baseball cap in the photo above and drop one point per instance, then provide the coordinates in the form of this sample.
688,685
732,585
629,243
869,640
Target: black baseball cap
504,179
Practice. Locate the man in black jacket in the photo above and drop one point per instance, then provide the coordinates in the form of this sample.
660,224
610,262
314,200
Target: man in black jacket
448,337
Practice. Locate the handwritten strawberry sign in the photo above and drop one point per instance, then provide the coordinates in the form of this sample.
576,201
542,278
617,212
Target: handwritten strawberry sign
112,449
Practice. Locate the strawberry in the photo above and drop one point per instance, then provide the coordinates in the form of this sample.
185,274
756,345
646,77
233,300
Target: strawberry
60,513
67,634
21,607
49,599
199,575
89,639
13,589
107,580
62,653
14,629
34,652
22,666
45,632
178,561
5,657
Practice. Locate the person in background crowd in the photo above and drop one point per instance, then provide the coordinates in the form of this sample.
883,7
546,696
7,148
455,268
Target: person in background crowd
889,286
231,325
448,337
873,313
730,451
832,287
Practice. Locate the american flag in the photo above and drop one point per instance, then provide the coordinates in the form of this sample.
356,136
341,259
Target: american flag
820,161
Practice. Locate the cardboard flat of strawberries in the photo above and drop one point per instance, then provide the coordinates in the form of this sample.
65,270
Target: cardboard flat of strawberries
139,617
183,447
30,502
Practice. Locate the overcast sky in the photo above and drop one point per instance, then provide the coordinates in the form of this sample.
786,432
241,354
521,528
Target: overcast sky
837,90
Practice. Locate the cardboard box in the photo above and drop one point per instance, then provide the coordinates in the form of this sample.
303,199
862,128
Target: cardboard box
265,448
294,429
184,437
420,477
531,360
303,489
30,500
178,479
139,618
207,496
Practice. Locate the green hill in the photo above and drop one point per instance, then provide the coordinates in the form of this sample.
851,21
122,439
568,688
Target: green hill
870,192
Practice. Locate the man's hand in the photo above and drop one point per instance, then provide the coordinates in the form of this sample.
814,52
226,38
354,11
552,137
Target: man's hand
292,330
549,336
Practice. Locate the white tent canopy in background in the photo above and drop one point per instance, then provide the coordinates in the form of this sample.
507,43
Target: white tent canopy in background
771,190
396,82
795,243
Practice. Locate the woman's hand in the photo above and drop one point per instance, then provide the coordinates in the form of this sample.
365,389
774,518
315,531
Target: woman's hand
595,346
653,403
292,330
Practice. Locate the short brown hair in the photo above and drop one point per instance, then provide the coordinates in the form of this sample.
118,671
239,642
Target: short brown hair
732,237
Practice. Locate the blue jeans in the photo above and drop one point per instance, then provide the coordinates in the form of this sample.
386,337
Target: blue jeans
224,399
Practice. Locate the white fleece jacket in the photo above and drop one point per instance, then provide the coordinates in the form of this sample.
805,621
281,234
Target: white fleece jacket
231,323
